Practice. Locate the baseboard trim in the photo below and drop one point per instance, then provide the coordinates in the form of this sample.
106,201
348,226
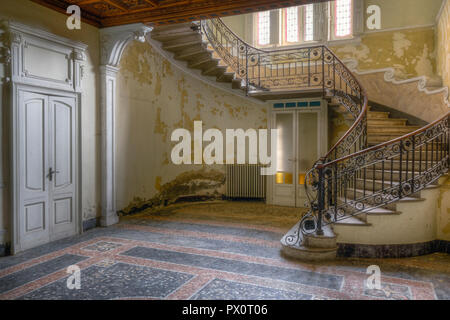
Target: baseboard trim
351,250
91,224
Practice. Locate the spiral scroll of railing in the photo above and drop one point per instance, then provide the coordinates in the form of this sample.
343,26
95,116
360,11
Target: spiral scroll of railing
350,179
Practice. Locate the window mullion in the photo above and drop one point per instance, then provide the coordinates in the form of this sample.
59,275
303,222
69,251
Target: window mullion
300,23
358,17
274,27
319,21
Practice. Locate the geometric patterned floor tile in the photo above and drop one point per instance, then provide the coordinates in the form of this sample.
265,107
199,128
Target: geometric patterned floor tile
37,271
174,256
102,246
390,291
228,290
118,281
291,275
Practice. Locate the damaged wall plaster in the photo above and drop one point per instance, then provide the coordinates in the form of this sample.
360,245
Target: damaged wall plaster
405,42
443,44
409,52
154,99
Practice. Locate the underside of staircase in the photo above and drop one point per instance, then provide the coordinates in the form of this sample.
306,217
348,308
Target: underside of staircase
374,224
188,45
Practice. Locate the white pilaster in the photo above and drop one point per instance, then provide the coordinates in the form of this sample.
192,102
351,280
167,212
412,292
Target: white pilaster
108,101
113,42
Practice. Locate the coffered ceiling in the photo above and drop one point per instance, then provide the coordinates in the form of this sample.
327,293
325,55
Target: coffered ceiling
106,13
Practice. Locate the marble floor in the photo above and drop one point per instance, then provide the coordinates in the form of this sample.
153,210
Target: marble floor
213,250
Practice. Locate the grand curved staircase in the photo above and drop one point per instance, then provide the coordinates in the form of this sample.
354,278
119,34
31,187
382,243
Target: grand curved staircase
375,185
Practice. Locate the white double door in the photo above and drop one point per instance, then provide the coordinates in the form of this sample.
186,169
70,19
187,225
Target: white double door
46,168
299,144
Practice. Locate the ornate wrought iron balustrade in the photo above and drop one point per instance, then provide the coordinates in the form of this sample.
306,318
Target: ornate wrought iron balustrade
351,178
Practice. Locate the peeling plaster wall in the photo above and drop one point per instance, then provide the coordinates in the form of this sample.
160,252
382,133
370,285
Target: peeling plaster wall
338,125
37,16
405,42
154,99
443,44
409,52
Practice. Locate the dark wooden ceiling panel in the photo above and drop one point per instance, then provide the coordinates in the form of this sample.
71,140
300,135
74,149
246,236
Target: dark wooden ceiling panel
106,13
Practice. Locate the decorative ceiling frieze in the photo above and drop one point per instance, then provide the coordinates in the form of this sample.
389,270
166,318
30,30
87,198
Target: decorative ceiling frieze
107,13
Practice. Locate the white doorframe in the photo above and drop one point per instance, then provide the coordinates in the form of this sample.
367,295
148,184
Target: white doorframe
26,74
322,111
15,147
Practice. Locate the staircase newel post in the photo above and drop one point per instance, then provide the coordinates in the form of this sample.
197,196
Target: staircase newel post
320,200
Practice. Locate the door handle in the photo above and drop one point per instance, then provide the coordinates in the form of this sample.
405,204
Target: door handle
51,172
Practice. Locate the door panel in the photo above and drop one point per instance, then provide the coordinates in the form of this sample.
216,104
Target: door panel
62,160
299,143
63,143
284,188
307,150
47,160
35,217
63,211
33,161
35,145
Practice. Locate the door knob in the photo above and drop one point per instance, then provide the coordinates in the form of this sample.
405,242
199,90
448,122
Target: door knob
51,172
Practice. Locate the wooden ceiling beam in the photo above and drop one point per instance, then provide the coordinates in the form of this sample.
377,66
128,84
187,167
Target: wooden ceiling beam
84,2
152,2
114,4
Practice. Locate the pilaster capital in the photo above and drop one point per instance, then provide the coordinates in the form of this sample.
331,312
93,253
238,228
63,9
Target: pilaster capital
114,40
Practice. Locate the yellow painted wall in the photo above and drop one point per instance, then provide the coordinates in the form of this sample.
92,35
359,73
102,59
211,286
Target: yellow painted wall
443,44
154,99
29,13
443,211
405,13
407,49
409,52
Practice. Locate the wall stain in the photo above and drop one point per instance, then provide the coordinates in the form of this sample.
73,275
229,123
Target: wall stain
158,183
443,45
138,63
198,183
409,52
160,126
158,85
169,101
